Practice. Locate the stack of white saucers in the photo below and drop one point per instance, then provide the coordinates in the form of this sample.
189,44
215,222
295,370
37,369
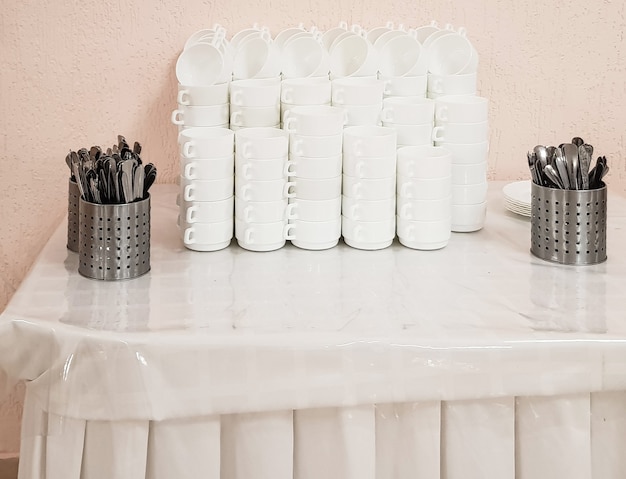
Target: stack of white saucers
517,197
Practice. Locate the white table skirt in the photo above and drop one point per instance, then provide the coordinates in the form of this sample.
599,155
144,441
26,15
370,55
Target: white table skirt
579,436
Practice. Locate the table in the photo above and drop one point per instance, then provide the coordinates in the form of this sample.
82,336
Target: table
474,361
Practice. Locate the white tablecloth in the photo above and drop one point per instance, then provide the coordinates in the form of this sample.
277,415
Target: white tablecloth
477,360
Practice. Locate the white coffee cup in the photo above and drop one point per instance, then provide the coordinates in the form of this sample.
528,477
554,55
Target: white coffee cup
368,210
207,169
208,236
369,141
315,146
316,210
368,167
316,235
414,110
316,188
261,116
412,135
402,55
207,211
310,167
272,169
306,91
468,218
207,190
262,236
216,94
424,235
329,36
425,210
461,109
254,31
461,132
368,235
284,35
423,32
464,84
201,64
469,174
263,190
263,211
423,189
363,115
415,85
261,143
256,57
467,153
353,55
357,91
315,120
255,92
303,57
206,142
451,54
425,162
369,188
213,115
470,194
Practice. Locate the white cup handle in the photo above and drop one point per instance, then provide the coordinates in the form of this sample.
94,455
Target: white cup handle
339,97
188,238
183,97
438,86
188,150
436,136
287,171
289,123
248,235
246,150
356,189
245,170
235,117
462,31
386,88
442,113
297,147
187,193
287,95
177,117
178,199
178,221
386,114
358,145
235,97
247,214
291,211
288,192
410,232
357,232
404,190
289,232
189,171
359,169
190,214
244,191
404,211
354,211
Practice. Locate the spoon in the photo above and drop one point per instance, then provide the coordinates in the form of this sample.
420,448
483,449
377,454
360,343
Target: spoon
561,168
553,176
585,162
570,152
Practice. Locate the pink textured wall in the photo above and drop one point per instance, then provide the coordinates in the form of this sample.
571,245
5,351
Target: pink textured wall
74,74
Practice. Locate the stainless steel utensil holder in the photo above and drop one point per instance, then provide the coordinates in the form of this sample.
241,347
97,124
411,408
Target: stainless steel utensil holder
72,216
114,240
568,226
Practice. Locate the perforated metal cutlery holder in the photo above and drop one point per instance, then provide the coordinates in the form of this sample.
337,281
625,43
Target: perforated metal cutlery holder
568,226
114,240
72,216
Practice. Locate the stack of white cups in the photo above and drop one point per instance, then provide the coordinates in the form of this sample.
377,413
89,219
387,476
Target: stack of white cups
369,187
360,97
461,126
424,197
206,188
315,151
303,92
411,117
261,188
255,102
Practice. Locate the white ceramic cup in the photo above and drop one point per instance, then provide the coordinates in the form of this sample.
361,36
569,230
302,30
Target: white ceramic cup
363,115
207,169
424,210
255,57
306,91
271,169
415,85
414,110
368,167
206,190
400,56
248,116
194,37
201,64
461,109
315,146
357,91
262,211
206,142
451,54
468,218
423,189
303,57
316,210
262,236
316,188
316,235
424,235
315,120
311,167
461,132
425,162
207,211
368,235
212,115
368,210
255,30
255,92
216,94
261,143
469,174
263,190
469,194
467,153
284,35
208,236
369,141
329,36
465,84
412,135
353,55
369,188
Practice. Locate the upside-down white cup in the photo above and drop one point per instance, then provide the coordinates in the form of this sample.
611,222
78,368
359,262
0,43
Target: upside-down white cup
315,146
206,142
316,188
424,235
207,169
262,236
306,91
461,109
461,132
315,235
303,57
207,211
315,120
271,169
464,84
452,54
208,236
310,167
368,210
263,211
412,135
423,189
212,115
424,162
261,143
414,85
256,57
216,94
368,235
201,64
469,174
369,141
413,110
263,190
401,56
261,116
316,210
255,92
353,55
369,188
357,91
206,190
369,167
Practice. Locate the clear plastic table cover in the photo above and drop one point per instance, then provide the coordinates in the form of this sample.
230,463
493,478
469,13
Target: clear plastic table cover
238,331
